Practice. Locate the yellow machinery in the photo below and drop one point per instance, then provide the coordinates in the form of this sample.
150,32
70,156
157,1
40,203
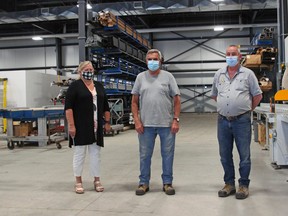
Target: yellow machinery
279,146
3,102
281,95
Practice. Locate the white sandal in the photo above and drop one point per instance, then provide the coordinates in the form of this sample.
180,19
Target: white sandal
79,188
98,186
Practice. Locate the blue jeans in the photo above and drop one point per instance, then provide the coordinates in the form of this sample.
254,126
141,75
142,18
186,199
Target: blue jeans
240,131
146,147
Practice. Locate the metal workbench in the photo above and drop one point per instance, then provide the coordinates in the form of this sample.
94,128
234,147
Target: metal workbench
42,116
276,132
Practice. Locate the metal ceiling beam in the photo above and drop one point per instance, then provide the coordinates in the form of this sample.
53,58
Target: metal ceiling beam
200,28
208,48
197,45
62,36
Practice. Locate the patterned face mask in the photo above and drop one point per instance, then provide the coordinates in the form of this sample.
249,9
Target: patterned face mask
88,75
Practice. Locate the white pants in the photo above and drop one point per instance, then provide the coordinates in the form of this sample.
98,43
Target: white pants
94,159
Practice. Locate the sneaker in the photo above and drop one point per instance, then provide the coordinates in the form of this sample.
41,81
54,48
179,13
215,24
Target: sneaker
242,192
142,189
168,189
227,190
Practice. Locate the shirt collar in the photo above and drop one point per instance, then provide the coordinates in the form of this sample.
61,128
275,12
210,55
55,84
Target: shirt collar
240,70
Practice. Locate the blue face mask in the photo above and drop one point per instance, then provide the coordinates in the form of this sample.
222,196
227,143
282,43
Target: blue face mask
232,60
153,65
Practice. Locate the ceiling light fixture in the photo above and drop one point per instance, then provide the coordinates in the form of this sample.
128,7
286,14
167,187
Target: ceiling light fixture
37,38
218,28
88,6
217,0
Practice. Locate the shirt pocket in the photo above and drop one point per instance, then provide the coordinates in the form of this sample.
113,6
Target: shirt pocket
164,88
223,86
241,84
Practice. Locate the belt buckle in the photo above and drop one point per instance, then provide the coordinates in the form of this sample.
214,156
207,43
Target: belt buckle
230,118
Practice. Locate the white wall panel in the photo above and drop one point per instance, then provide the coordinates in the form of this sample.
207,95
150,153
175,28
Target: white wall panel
40,90
194,78
36,56
28,57
29,88
16,85
194,99
70,55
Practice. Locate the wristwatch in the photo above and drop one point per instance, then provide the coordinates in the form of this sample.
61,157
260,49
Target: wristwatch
177,119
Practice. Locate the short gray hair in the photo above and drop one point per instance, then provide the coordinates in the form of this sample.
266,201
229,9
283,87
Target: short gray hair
155,51
237,46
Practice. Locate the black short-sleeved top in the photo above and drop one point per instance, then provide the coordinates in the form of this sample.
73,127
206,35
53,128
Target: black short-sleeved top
80,100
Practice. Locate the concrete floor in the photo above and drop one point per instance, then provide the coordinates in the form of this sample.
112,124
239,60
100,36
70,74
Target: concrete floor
39,181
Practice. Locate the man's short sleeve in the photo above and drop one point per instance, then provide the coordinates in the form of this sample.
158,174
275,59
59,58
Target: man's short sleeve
174,90
214,91
136,87
254,85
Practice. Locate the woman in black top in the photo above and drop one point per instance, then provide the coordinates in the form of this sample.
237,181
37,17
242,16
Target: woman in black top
86,107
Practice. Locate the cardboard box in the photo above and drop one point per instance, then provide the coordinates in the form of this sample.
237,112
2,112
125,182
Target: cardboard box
261,133
253,59
23,129
266,86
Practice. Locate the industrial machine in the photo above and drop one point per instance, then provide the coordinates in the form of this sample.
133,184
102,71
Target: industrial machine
279,148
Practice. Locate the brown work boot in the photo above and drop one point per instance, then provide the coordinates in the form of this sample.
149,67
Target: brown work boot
168,189
242,192
227,190
142,189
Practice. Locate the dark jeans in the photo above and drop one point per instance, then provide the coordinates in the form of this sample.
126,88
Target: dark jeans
238,130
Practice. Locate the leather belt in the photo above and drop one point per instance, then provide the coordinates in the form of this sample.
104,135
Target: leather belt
232,118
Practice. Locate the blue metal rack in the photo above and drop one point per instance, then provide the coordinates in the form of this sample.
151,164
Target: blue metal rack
120,48
121,66
42,116
115,85
122,30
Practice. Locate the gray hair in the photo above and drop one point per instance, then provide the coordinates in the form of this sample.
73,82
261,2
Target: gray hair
155,51
237,46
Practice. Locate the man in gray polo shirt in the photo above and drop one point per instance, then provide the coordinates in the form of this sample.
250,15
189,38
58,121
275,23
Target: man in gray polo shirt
156,97
237,92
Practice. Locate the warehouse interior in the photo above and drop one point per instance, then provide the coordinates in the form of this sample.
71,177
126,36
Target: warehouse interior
35,159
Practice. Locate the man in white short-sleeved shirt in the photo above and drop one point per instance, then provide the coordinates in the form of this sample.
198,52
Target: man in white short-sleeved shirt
237,92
